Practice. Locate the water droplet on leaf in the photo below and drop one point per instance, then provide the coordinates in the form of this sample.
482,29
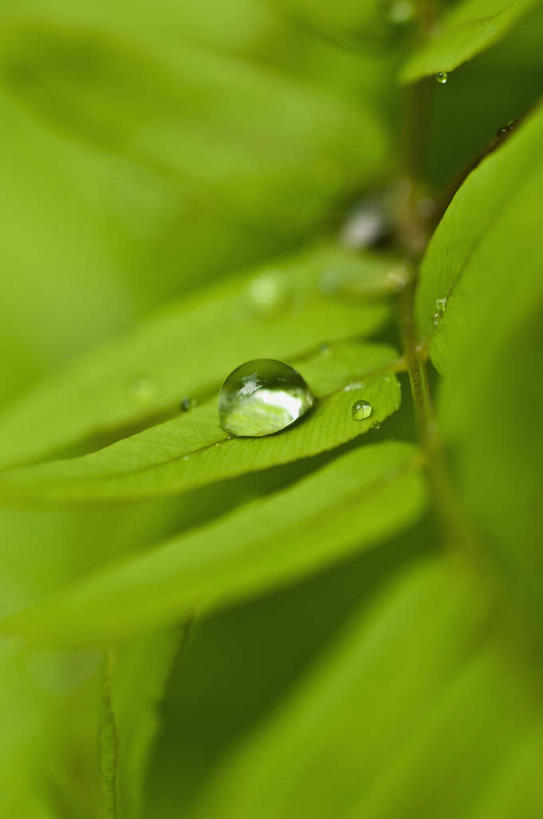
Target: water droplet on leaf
361,410
506,129
141,388
262,397
398,277
268,293
441,305
366,225
401,11
186,404
442,77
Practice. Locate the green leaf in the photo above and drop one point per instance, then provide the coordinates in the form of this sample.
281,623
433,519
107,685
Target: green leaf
515,791
279,311
467,29
486,259
138,675
473,272
453,757
337,734
490,413
346,16
192,449
256,141
249,657
353,503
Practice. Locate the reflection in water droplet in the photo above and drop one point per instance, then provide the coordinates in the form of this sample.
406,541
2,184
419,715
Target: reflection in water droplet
401,11
262,397
141,388
442,77
361,410
187,404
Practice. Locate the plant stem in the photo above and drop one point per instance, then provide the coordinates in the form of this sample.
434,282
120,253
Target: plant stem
414,235
427,14
108,739
447,502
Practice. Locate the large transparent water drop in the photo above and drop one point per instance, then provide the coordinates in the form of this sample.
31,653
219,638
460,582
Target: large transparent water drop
262,397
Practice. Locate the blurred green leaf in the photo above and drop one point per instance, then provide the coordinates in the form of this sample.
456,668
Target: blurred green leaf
279,311
192,449
249,657
137,677
515,792
355,502
263,145
347,17
468,28
453,757
359,710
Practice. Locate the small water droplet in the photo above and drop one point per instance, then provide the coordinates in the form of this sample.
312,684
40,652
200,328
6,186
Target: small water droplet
325,350
506,129
186,457
401,11
141,388
262,397
268,293
353,385
398,277
187,404
361,410
365,226
442,77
